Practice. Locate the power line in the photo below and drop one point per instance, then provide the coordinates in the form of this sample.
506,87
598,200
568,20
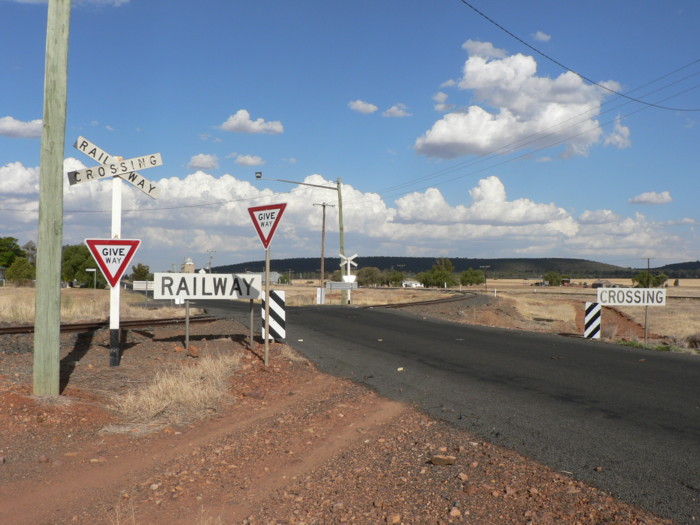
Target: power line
554,61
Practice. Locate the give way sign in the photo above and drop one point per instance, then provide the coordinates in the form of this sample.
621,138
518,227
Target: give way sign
266,219
113,256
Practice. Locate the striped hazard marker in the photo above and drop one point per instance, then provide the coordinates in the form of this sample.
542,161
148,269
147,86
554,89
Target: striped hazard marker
592,321
277,316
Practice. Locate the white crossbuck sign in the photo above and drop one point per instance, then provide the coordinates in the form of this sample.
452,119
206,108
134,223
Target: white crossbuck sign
115,166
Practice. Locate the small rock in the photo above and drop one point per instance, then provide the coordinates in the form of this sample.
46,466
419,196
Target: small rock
2,460
442,460
43,459
598,469
470,489
154,486
393,519
258,393
455,512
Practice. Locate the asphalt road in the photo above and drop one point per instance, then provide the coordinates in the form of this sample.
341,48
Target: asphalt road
572,404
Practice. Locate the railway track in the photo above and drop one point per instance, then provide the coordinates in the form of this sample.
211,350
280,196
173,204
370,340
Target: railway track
96,325
141,323
458,296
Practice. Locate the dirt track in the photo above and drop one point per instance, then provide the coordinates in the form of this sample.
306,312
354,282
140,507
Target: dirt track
291,445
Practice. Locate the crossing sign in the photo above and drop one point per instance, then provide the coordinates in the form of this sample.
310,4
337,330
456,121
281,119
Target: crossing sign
265,220
96,153
113,256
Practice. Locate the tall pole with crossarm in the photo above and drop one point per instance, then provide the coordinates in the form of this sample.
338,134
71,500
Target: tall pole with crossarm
323,242
47,322
339,189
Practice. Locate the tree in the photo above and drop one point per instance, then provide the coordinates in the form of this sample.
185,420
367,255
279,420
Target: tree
30,252
369,276
141,272
440,275
21,271
646,279
470,277
9,251
552,278
76,258
395,278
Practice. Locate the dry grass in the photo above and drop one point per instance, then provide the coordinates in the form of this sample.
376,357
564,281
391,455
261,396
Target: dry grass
181,395
678,320
305,295
81,304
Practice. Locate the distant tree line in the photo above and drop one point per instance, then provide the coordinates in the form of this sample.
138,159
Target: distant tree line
515,268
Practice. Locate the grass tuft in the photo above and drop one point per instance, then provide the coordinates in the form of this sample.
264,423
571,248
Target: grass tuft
181,395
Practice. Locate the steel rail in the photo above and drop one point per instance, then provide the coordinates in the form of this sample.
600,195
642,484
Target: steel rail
96,325
459,296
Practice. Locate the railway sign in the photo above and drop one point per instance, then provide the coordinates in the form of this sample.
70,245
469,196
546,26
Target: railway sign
207,286
115,167
113,256
98,154
265,220
632,296
348,262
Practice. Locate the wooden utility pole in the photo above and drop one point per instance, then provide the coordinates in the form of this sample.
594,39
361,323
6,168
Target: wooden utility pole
47,322
343,292
323,241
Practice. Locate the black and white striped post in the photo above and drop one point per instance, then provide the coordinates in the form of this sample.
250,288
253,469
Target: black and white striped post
276,322
592,321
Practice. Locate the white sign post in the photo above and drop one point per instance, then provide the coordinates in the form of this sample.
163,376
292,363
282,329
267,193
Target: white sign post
348,277
265,220
116,168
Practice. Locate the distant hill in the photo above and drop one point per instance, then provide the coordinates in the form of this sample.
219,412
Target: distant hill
519,268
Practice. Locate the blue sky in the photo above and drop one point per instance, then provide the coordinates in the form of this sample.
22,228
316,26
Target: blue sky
452,137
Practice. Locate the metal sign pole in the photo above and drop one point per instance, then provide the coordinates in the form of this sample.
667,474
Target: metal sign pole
187,324
252,320
267,305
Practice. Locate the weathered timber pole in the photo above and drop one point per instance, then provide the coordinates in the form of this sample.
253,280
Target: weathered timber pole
47,320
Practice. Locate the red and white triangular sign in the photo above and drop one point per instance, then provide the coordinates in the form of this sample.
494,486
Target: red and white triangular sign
113,256
266,219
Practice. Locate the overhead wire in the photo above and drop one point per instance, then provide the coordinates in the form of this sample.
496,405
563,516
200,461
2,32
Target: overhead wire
567,68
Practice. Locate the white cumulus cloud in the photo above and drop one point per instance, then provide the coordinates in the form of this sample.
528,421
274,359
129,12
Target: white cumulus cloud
397,110
242,123
198,212
203,161
11,127
441,104
362,107
541,36
651,197
517,109
620,136
249,160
